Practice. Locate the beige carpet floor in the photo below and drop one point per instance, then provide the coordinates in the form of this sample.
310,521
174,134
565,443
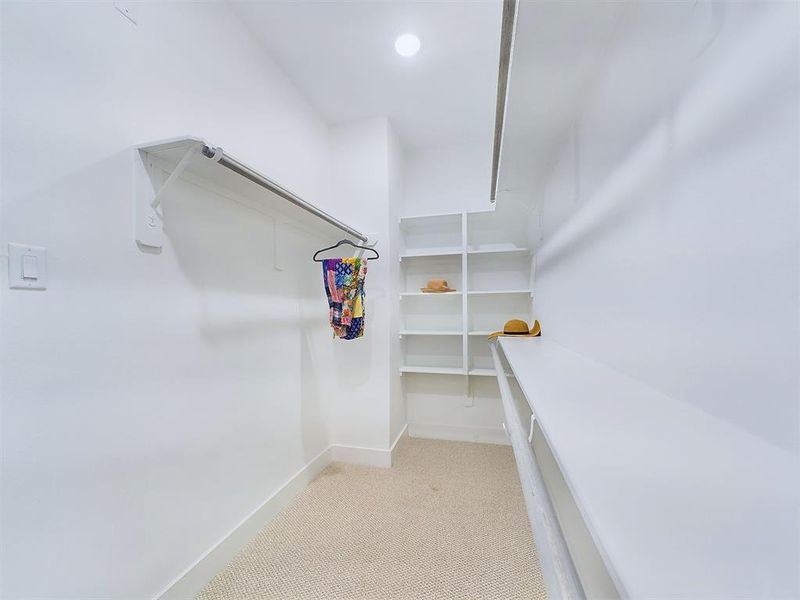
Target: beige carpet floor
447,521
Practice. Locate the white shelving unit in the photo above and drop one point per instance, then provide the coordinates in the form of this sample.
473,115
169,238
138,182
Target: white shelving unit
447,336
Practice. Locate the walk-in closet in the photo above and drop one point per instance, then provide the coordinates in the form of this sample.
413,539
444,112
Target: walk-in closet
399,300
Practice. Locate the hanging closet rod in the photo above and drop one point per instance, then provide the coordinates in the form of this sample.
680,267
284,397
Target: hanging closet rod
503,73
234,165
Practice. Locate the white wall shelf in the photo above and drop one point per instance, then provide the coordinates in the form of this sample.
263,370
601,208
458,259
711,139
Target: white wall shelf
411,218
504,251
430,253
417,294
422,332
433,370
492,265
483,372
489,292
486,373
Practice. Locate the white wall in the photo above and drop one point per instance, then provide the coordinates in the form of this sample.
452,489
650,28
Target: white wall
360,368
670,225
152,401
449,178
397,404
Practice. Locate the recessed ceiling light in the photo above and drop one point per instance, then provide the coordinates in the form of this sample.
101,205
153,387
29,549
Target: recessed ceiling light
407,44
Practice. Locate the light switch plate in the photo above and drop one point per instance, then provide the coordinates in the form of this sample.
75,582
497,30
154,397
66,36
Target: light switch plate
35,260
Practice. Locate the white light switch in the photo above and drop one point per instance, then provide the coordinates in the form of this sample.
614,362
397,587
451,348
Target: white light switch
30,267
27,267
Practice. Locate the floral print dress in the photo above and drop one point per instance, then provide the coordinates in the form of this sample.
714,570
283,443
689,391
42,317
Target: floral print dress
344,285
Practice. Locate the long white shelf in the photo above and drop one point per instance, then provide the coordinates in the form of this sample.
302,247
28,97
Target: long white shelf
403,332
681,504
480,333
433,370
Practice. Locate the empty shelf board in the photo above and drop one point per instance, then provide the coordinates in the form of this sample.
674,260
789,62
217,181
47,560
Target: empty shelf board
501,251
433,370
488,292
483,372
429,332
431,253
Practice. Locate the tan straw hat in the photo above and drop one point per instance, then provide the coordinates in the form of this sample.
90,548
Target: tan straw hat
436,286
518,328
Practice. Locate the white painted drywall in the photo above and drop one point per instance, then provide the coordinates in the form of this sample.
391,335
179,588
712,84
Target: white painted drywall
450,178
442,407
152,401
360,368
669,227
396,184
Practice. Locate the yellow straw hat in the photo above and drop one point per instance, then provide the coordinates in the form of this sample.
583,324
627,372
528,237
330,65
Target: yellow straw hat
518,328
437,286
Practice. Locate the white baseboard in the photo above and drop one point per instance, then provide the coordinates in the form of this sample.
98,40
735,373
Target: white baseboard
194,579
371,457
400,436
357,455
483,435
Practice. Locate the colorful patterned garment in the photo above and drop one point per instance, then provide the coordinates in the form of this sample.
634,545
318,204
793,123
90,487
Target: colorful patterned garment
344,286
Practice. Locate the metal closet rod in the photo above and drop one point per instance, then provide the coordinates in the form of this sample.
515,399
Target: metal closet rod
503,75
234,165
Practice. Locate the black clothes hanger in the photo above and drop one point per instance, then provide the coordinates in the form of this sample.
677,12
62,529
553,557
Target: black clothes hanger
339,243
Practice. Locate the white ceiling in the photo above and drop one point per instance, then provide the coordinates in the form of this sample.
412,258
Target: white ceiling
341,55
627,57
558,54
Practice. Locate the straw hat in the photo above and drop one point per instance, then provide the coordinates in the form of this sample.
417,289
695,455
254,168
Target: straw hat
518,328
436,286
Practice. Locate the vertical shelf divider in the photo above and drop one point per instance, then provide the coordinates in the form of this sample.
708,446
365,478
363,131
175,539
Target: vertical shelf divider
465,308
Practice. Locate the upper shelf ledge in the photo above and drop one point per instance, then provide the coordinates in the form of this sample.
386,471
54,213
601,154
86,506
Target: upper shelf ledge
195,157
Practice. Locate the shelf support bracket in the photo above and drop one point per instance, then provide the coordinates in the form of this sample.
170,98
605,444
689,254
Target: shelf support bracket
149,221
176,173
530,431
